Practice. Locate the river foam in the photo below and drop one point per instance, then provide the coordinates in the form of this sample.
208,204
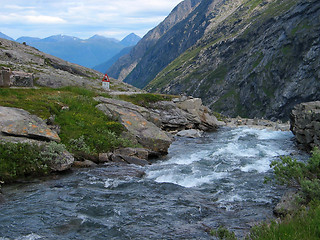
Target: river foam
240,149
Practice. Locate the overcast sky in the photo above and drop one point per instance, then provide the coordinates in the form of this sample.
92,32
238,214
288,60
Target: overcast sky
82,18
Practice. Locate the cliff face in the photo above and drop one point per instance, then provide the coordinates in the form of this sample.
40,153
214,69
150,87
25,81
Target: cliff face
259,61
129,62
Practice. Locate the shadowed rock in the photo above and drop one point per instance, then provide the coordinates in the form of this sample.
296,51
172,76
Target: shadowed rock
305,124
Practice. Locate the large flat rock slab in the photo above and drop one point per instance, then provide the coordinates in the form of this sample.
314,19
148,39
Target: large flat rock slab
20,123
129,115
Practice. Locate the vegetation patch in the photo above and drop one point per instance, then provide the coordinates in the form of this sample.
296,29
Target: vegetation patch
75,112
304,223
21,160
258,60
301,26
146,99
219,74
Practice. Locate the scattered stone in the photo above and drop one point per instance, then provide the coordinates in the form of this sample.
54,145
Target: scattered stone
287,204
104,157
191,133
21,79
257,123
84,164
62,163
141,153
134,160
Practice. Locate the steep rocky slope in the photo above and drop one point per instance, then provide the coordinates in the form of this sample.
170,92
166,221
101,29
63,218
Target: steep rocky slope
48,70
128,63
259,61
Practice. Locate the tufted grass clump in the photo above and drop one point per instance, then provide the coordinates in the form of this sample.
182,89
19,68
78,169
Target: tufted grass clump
303,225
145,99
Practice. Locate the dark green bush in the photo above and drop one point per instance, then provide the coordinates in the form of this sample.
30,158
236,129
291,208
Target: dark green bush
21,160
223,234
303,176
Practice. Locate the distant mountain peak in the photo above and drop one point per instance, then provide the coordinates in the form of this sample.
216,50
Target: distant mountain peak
98,37
60,38
130,40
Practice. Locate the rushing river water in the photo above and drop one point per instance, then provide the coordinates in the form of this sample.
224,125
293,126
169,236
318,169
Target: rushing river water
213,181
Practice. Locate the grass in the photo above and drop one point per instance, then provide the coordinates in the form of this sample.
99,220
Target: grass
146,99
81,120
304,225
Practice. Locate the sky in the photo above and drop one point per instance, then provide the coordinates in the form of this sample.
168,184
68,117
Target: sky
82,18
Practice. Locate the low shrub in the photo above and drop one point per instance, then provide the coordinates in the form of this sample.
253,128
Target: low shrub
304,224
305,176
223,234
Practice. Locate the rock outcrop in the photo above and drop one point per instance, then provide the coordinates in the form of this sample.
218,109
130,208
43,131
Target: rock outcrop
287,205
305,124
143,131
148,125
144,50
16,122
184,113
19,126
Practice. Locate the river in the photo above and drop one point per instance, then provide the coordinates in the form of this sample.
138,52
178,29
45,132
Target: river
212,181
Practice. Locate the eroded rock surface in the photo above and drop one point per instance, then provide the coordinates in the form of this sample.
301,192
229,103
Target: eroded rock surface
145,132
19,126
305,124
19,123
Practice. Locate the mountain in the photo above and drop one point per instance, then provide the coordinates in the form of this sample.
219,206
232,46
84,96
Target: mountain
130,40
2,35
126,64
259,62
88,53
253,58
27,39
103,67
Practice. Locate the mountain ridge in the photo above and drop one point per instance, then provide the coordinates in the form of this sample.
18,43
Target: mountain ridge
262,69
86,52
127,63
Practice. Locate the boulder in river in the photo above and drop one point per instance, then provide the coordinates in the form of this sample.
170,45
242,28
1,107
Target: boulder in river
185,113
191,133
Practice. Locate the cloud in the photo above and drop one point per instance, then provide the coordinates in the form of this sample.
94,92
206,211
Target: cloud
82,17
